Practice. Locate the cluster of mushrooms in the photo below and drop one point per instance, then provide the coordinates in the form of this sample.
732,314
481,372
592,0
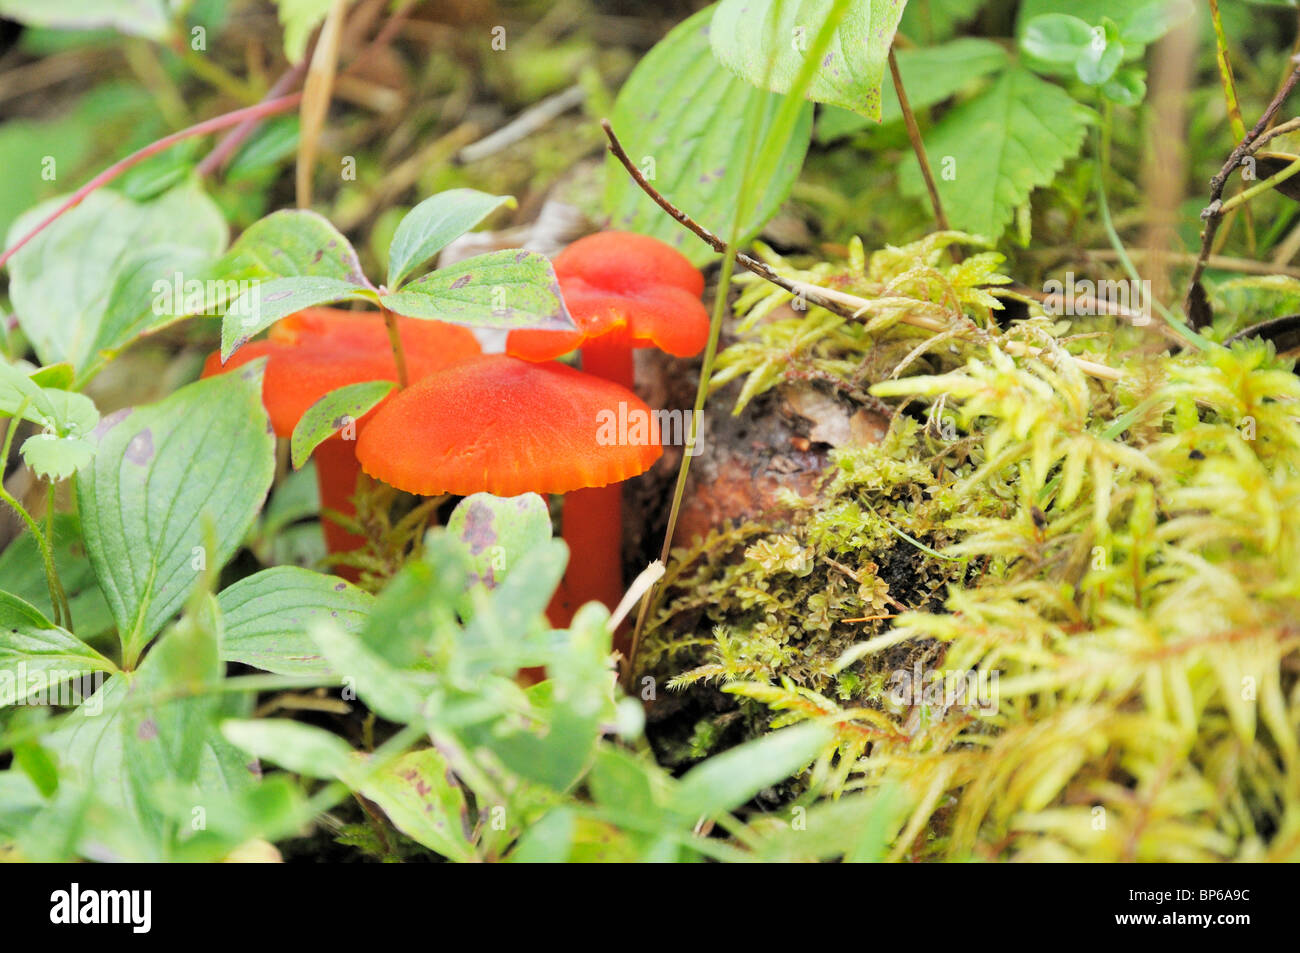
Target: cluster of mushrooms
504,424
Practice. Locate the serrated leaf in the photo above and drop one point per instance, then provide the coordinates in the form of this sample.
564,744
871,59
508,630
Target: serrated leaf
680,115
507,289
990,153
55,458
763,42
206,453
267,615
332,413
430,226
266,303
37,655
62,281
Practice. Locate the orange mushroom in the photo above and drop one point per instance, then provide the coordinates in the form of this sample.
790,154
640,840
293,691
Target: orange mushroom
505,426
318,350
624,291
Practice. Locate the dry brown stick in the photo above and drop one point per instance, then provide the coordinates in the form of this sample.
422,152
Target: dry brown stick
837,302
1213,214
918,146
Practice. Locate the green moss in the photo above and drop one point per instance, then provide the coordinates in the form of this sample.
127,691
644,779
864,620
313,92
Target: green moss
1120,556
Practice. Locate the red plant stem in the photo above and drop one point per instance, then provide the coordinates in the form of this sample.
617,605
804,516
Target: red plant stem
215,124
592,522
337,470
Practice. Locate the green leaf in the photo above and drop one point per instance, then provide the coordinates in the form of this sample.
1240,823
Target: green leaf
990,153
497,532
63,413
288,244
422,799
264,304
302,749
267,617
930,75
62,281
681,117
206,452
332,413
502,289
726,781
55,458
299,18
1101,57
148,18
1128,87
936,20
385,689
1056,38
431,225
36,655
763,42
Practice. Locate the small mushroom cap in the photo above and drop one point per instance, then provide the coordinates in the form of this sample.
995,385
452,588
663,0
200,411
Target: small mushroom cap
506,426
626,289
319,350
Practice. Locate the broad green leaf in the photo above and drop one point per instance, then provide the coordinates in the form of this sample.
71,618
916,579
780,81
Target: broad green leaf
728,780
143,297
932,21
763,41
302,749
267,615
680,115
498,531
36,656
423,800
149,18
332,413
1139,19
930,75
265,303
431,225
206,453
62,281
990,153
502,289
505,623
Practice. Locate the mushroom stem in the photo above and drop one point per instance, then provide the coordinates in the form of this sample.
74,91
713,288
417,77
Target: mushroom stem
592,522
337,470
395,341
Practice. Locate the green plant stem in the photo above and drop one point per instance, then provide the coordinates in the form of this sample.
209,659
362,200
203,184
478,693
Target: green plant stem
1260,187
47,558
395,341
49,544
777,136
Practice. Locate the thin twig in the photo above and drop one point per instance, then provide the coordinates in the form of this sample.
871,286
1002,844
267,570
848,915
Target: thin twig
1213,212
837,302
918,145
523,125
117,168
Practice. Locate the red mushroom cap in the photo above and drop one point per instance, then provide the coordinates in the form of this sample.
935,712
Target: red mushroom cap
321,349
626,290
503,426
